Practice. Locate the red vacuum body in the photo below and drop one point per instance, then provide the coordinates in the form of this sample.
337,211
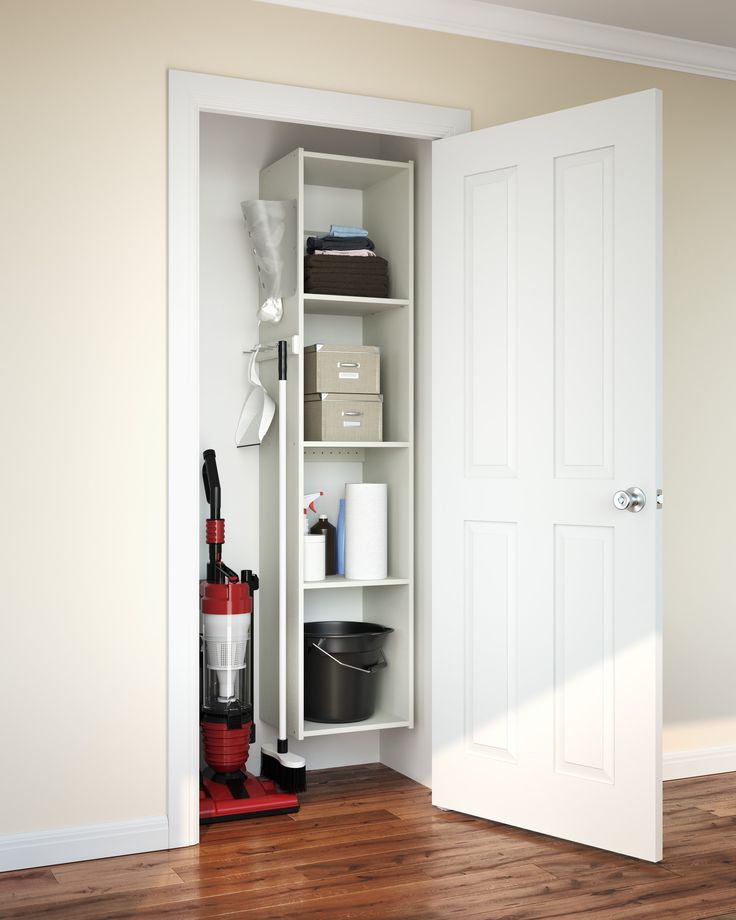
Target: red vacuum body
227,790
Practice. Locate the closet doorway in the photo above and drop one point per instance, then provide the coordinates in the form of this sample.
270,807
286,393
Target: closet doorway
222,131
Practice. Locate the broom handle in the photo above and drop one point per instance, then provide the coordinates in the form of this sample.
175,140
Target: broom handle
282,358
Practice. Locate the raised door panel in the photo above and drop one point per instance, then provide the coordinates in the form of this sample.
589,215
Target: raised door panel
583,656
490,324
490,639
583,298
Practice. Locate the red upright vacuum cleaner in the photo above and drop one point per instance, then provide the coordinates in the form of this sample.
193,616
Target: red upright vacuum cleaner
227,790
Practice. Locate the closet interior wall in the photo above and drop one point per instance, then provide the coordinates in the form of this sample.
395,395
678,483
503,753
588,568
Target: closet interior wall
233,151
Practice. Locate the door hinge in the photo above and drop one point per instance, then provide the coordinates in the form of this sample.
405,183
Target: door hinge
660,498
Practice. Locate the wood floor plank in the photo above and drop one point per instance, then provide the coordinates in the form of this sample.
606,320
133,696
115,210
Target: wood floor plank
724,809
66,894
368,845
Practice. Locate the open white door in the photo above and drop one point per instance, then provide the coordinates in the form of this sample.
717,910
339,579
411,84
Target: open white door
546,402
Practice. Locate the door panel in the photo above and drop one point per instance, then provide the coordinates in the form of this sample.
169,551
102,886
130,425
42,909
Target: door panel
490,323
546,616
490,626
583,617
583,269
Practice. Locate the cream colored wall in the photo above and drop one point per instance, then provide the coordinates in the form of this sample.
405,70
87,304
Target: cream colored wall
83,122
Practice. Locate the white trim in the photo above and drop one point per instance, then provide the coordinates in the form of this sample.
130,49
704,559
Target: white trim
189,95
699,762
538,30
92,841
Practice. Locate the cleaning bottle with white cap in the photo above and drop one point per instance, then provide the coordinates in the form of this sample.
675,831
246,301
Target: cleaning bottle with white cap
324,526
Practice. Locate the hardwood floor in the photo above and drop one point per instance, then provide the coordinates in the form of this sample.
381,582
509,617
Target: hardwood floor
367,844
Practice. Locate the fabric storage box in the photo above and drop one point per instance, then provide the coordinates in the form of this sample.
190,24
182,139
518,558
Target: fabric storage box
337,417
342,369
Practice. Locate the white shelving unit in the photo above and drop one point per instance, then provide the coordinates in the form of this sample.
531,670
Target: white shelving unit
376,194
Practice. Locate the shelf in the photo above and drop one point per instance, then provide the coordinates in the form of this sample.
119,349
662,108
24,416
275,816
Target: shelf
337,171
339,305
360,444
339,581
379,719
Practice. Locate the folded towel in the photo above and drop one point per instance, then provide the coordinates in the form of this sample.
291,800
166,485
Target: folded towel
339,230
338,242
344,252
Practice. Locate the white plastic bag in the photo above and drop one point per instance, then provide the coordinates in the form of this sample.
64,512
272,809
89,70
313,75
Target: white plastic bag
272,232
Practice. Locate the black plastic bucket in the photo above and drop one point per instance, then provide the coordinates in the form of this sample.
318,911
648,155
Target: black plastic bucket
342,666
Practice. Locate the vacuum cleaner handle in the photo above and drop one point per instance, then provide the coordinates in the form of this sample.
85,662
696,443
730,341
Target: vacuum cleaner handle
211,483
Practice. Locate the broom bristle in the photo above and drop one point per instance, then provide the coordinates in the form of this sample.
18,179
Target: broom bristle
292,779
269,766
288,779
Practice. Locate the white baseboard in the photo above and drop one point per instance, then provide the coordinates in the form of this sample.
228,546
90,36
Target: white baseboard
699,762
98,841
93,841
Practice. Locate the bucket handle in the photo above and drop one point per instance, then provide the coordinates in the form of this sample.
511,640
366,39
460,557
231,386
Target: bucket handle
382,663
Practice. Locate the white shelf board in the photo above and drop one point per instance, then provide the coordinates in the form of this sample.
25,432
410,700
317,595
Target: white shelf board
337,171
339,581
340,305
360,444
380,719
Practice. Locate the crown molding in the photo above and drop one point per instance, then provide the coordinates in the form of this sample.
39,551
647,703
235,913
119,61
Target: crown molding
537,30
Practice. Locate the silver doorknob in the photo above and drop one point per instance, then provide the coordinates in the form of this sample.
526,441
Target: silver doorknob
632,499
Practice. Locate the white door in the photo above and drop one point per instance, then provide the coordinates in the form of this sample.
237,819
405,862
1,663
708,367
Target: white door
546,402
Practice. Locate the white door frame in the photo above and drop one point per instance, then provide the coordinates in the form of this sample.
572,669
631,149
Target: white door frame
189,95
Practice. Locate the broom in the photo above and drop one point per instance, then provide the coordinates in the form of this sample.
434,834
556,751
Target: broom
288,771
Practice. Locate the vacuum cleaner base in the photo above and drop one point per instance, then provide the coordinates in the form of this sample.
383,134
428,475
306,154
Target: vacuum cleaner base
246,797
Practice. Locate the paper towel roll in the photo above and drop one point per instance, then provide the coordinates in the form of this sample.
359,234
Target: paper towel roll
366,530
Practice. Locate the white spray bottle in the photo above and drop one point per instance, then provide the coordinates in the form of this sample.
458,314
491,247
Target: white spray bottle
314,545
309,501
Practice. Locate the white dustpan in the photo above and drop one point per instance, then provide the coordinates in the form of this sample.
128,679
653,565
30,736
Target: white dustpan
257,412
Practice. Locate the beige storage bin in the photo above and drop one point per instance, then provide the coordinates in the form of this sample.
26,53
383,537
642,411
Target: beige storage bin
336,417
342,369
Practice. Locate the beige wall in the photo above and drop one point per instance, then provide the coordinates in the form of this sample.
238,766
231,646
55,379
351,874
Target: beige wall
83,123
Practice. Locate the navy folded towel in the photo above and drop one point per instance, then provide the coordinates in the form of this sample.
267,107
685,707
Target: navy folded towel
327,243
